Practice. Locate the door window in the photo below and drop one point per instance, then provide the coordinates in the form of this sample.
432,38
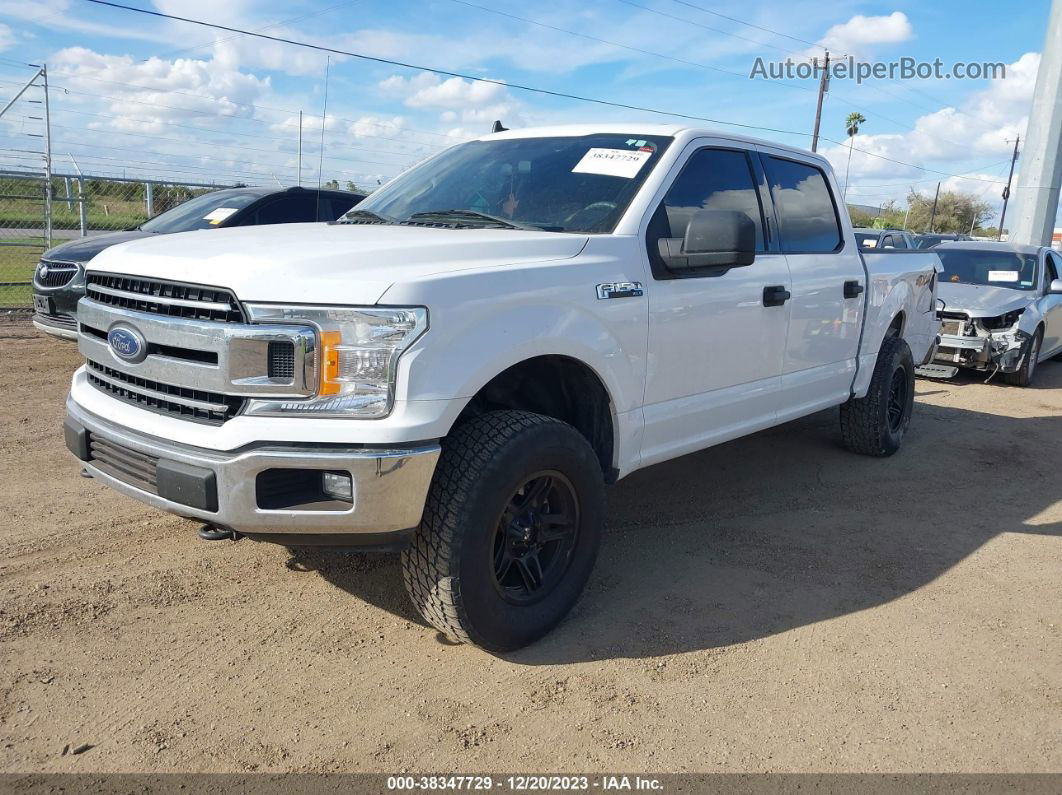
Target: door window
806,211
713,179
1054,266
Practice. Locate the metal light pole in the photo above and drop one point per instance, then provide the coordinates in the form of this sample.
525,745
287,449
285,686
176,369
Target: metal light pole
1040,178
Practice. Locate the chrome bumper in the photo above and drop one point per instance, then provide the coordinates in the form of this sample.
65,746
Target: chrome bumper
390,485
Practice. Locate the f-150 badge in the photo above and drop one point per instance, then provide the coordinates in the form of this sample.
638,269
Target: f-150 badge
619,290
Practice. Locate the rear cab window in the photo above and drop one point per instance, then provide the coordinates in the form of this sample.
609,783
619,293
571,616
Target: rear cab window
807,212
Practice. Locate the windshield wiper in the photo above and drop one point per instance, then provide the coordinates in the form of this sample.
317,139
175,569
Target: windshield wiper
466,217
364,217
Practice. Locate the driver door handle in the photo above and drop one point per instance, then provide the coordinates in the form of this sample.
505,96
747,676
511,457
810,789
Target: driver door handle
775,295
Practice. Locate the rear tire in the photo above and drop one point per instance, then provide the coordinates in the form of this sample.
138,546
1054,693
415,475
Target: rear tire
1023,376
876,424
510,532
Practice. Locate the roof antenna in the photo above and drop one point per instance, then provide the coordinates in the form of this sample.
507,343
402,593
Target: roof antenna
497,128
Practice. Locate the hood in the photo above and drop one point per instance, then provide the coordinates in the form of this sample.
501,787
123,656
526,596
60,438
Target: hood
82,249
327,263
978,300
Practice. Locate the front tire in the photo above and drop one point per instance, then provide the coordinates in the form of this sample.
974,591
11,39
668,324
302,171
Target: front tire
876,424
1023,375
510,531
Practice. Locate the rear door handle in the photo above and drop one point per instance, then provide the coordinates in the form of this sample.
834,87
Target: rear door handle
853,289
775,295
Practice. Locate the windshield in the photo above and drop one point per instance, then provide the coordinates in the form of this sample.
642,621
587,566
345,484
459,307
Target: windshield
996,268
202,212
570,184
867,239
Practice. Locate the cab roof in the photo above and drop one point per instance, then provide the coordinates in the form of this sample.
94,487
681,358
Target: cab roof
680,132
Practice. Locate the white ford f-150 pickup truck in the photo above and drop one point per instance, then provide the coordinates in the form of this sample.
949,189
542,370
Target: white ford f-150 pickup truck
462,362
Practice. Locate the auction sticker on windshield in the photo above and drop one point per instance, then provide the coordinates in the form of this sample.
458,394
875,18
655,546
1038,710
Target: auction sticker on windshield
612,162
219,214
1002,276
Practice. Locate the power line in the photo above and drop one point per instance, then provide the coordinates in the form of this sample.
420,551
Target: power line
587,36
447,73
492,81
748,24
687,21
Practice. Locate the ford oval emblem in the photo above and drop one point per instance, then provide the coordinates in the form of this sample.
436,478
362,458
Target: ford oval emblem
127,344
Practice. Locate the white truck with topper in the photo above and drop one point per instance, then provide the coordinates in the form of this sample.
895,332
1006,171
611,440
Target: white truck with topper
462,362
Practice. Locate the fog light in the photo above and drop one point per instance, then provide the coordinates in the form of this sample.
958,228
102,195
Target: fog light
338,486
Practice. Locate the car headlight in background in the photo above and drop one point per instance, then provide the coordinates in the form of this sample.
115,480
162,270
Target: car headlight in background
357,357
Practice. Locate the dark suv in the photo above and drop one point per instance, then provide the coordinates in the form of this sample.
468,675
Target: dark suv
59,281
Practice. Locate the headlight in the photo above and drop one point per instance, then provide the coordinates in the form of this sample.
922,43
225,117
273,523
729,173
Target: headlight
357,357
1002,321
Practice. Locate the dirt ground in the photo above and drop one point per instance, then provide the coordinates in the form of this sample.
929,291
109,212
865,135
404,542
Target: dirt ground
773,604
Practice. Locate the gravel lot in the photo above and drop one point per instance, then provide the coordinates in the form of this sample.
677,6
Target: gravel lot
771,604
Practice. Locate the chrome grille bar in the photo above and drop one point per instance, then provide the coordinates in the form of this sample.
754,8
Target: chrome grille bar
202,405
212,306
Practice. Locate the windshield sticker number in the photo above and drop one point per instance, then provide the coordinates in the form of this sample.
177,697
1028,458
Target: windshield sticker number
612,162
1002,276
219,214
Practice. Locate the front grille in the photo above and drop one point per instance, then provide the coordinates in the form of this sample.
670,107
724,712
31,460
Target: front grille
127,465
55,274
190,404
158,297
281,360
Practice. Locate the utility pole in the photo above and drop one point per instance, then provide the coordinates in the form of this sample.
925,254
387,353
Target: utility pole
300,148
1006,190
824,86
1040,178
933,215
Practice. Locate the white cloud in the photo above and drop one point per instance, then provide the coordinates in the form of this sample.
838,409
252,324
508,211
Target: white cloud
157,90
57,15
7,36
860,32
983,124
456,99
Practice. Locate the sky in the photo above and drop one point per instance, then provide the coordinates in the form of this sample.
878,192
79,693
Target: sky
147,97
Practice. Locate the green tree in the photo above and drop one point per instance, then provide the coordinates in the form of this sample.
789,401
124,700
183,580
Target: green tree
957,212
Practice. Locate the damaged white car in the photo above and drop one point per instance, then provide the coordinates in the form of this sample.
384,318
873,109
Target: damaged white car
1002,309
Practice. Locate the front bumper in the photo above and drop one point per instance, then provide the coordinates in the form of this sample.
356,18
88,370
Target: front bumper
62,326
228,489
998,351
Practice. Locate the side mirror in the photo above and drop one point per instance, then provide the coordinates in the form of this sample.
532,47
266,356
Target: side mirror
1055,288
714,238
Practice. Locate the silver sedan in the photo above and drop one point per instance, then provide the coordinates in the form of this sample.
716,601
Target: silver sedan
1002,309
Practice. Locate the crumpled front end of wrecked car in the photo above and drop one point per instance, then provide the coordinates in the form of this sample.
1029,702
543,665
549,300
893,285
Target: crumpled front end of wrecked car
997,342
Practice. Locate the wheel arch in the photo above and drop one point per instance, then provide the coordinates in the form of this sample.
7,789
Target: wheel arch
558,386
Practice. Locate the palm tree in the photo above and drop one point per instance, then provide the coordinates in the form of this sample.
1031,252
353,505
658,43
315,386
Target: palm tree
851,126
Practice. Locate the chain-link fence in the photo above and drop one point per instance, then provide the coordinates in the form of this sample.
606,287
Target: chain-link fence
32,220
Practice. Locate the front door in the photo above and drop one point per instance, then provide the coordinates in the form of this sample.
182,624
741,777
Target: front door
715,350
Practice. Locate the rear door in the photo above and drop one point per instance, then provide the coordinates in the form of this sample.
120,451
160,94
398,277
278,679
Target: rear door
829,284
715,349
1051,305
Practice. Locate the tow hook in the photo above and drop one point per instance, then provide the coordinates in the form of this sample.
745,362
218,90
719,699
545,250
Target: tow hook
209,532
